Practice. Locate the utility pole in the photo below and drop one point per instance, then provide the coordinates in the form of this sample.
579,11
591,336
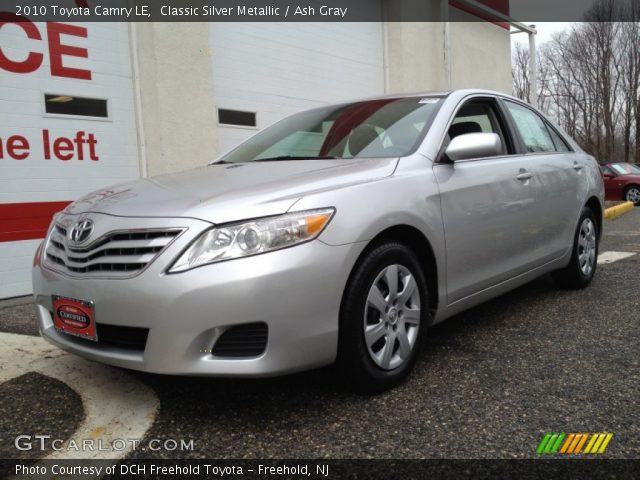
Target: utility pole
533,70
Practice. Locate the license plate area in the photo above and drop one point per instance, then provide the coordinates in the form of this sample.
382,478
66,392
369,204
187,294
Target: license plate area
74,317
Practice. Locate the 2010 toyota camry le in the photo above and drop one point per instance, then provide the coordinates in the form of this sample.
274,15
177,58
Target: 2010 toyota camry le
337,235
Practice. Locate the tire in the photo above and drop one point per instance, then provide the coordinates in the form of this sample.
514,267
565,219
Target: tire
381,358
632,194
583,265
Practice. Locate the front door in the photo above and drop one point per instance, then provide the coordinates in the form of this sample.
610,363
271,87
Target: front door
487,207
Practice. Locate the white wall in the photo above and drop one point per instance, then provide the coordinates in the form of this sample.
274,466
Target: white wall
416,56
276,69
176,85
35,179
479,55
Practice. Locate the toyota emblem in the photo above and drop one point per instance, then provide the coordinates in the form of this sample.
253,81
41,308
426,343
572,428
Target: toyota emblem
81,231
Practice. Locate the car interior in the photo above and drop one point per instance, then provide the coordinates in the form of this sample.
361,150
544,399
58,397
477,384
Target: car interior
477,116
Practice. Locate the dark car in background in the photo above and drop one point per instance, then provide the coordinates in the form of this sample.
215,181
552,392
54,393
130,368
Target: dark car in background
622,181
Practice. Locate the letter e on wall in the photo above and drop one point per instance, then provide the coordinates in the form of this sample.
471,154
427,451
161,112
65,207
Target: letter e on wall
57,50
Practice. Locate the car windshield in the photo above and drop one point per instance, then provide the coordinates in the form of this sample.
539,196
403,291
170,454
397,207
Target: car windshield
390,127
625,169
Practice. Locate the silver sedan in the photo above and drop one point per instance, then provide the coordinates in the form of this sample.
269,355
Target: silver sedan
337,235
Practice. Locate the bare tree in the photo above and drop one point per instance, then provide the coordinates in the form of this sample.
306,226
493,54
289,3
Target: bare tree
589,80
520,72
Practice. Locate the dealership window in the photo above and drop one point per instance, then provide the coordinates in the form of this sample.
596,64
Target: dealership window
236,117
77,106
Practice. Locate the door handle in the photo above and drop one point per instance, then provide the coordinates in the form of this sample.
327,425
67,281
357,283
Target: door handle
577,167
524,176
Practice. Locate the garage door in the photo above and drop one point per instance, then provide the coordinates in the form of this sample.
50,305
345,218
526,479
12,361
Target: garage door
67,127
265,71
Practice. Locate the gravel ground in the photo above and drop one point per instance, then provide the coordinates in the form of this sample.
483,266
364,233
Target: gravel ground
489,384
58,413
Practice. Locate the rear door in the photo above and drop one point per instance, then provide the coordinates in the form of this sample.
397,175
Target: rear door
560,175
487,205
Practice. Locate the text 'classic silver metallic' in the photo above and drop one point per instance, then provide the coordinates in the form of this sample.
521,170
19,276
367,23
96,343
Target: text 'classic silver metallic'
339,234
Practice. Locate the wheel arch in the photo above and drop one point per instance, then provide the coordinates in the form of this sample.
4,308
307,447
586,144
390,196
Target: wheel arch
421,246
594,204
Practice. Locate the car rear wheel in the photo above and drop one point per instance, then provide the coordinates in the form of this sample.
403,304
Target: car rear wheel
632,194
582,267
383,320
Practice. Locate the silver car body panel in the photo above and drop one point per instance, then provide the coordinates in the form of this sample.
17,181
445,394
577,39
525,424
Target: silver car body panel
489,232
226,193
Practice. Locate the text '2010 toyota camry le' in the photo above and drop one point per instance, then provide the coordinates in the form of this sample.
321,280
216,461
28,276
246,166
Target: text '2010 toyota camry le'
337,235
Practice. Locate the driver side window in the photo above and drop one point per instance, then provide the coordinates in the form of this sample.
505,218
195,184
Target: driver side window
478,116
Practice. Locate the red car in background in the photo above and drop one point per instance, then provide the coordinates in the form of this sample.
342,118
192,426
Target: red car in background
621,181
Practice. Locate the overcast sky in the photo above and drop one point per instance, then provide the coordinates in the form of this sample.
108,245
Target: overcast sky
545,30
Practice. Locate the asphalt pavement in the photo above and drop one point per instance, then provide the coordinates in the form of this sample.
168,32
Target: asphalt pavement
489,384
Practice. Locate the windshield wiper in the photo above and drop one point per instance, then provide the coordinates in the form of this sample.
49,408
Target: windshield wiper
291,157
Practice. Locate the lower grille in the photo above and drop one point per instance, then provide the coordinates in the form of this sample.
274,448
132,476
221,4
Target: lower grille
127,338
248,340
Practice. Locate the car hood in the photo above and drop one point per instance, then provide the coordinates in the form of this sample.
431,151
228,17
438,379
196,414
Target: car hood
226,192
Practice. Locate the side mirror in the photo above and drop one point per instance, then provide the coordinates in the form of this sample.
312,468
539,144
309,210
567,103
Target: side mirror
608,176
474,145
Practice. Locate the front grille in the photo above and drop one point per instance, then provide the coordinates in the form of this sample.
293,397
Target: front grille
119,253
248,340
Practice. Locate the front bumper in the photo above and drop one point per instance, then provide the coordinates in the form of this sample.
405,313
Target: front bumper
295,291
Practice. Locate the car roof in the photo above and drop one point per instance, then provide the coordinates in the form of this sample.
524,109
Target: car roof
461,93
443,93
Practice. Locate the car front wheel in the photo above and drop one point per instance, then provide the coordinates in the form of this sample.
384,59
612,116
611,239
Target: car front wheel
383,319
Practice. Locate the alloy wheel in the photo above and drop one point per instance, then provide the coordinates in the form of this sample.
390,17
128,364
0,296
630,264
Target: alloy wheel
633,195
392,317
587,243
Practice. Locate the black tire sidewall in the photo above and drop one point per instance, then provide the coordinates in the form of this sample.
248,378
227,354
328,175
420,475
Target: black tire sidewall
353,354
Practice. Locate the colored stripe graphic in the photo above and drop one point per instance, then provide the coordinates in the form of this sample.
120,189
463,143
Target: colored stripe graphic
557,443
543,443
581,443
607,439
567,443
592,441
550,443
572,443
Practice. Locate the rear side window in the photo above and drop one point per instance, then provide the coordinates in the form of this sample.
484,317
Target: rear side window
558,141
532,128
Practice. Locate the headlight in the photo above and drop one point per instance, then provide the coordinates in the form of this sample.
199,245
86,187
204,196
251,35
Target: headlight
253,237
